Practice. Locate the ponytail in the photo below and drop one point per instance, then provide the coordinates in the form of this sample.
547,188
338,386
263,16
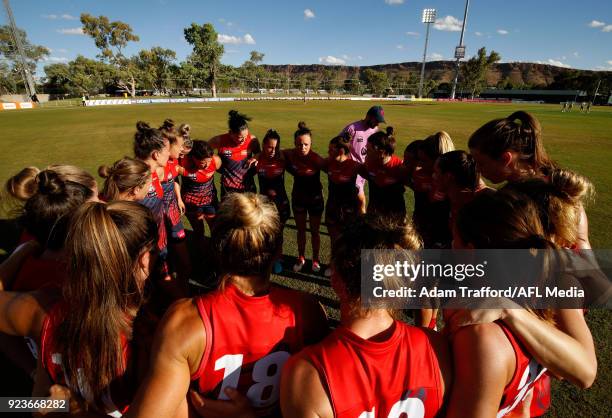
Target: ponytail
22,185
342,142
463,168
246,234
384,141
520,132
123,176
104,244
168,131
147,140
237,121
47,214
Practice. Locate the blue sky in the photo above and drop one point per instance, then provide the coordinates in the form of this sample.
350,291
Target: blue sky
353,32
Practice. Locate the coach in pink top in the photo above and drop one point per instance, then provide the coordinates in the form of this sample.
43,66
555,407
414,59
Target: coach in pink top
359,132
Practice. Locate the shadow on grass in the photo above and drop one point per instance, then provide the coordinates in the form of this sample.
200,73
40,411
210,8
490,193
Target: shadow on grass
322,231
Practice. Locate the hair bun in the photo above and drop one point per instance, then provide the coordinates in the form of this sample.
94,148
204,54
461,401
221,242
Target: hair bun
142,126
302,125
390,131
168,124
105,171
49,183
233,113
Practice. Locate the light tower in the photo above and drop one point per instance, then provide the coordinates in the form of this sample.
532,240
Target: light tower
28,81
429,17
460,50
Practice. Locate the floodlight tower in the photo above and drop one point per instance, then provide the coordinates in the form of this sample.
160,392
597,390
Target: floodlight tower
28,81
460,50
429,17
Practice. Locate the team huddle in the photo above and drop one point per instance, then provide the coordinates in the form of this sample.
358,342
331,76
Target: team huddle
99,285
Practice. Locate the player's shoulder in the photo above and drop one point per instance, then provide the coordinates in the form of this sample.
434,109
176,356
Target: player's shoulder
486,343
181,317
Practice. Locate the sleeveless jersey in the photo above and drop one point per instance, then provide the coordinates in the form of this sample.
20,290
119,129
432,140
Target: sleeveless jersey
271,176
341,185
394,378
307,175
386,187
171,208
541,397
154,200
249,339
235,173
198,187
526,374
117,397
170,175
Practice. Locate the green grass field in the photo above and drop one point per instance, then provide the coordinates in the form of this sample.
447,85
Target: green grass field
89,137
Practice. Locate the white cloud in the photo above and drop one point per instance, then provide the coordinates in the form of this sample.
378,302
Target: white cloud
394,2
415,34
359,57
609,62
345,57
557,63
436,57
399,46
331,60
448,23
71,31
56,59
309,14
502,31
248,39
236,40
596,24
64,16
478,33
576,54
607,28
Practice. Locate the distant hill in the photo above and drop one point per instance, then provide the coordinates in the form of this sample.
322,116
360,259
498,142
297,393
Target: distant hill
518,73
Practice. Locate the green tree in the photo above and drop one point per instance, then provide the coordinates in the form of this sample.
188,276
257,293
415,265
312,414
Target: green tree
377,81
256,57
8,84
155,66
80,76
207,52
11,79
474,71
111,38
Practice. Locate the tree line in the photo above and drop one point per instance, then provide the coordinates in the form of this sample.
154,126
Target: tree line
157,69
